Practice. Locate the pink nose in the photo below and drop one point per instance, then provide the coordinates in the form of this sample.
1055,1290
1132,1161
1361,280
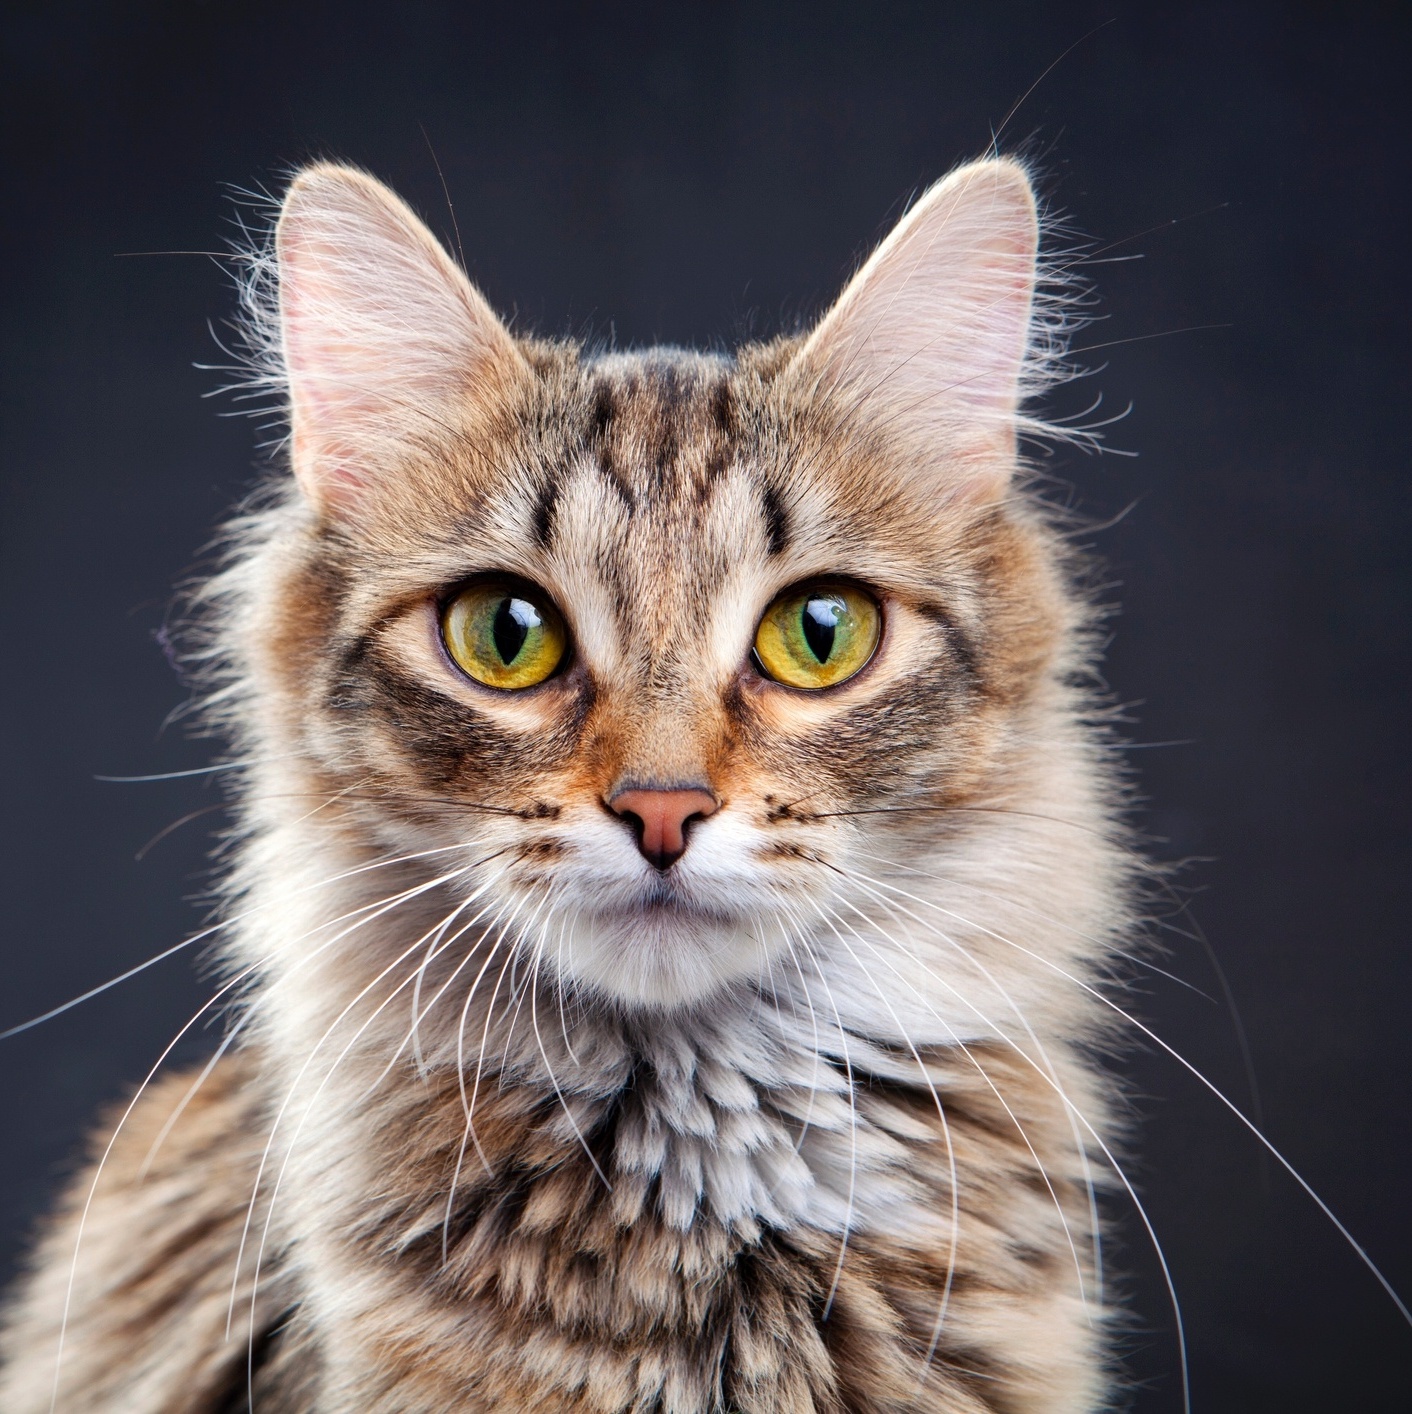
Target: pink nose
659,819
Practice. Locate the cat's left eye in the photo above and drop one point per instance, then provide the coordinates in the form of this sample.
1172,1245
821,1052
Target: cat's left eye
818,635
504,634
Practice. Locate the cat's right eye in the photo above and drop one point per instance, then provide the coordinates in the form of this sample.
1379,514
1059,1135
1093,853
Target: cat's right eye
504,634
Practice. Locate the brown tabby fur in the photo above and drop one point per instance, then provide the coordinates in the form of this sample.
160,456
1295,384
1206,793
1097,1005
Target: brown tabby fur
618,1316
580,1246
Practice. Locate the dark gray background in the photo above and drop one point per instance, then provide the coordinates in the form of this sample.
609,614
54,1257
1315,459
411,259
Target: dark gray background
689,173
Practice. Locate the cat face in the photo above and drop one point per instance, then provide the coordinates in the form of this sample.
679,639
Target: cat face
541,605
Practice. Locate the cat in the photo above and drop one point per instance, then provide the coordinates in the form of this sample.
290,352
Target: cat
678,864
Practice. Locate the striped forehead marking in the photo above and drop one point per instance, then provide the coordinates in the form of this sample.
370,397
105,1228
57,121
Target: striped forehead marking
660,429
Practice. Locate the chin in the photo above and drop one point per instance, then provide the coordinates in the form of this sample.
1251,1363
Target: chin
660,955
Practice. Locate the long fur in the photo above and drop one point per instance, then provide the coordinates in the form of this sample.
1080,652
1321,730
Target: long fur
507,1118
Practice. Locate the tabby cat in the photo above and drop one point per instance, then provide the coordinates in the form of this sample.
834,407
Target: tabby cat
677,864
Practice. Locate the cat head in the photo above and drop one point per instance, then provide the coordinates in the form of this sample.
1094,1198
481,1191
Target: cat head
670,645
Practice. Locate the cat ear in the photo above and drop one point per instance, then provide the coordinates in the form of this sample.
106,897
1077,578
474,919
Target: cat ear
380,331
929,339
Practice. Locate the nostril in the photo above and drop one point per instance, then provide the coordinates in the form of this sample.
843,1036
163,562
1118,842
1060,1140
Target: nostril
634,822
659,819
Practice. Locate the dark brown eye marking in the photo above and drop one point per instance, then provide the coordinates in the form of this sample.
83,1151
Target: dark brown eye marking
776,524
546,506
961,643
437,733
445,739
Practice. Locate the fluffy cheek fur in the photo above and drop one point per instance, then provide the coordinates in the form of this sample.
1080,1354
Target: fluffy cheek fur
507,791
543,866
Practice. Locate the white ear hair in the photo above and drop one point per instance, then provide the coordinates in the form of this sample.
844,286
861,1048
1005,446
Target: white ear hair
380,331
930,337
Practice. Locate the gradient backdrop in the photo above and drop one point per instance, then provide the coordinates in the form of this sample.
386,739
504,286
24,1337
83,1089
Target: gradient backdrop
690,173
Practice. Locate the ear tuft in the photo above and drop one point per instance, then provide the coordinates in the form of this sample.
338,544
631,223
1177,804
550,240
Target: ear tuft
930,338
380,331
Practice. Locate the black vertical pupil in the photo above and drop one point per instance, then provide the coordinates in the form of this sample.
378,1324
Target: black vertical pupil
820,623
511,626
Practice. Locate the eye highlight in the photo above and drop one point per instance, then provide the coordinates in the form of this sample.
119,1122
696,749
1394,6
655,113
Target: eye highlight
504,634
817,635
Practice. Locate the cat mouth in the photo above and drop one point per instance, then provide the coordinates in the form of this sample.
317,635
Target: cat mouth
664,900
667,909
665,947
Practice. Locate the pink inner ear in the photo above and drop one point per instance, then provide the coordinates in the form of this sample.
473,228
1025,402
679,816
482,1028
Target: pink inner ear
323,386
931,335
324,380
379,329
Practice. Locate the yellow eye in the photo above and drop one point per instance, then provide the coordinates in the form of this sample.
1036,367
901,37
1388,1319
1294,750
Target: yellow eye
817,635
504,635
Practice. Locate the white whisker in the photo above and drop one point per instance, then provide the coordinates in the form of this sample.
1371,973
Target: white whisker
946,1138
1080,1148
223,926
1176,1055
397,901
533,985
